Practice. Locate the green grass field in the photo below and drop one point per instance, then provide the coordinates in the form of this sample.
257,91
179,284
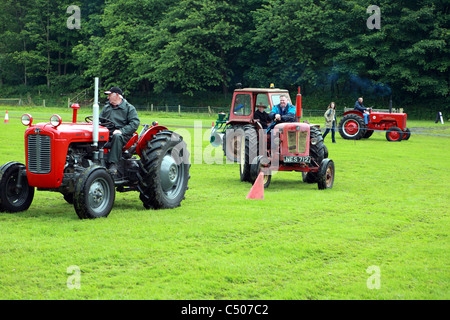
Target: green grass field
388,210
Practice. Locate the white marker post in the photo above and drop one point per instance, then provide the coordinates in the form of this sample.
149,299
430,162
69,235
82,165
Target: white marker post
95,116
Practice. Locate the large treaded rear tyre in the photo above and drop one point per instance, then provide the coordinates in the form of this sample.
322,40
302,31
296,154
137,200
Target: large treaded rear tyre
231,143
352,127
249,152
317,152
165,174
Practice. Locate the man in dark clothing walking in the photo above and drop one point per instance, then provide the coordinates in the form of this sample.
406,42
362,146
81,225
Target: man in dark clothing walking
126,121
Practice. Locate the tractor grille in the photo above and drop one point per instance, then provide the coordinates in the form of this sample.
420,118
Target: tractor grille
39,154
302,137
297,141
292,141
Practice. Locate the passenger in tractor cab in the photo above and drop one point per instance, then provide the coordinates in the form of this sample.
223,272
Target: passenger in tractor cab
284,111
360,107
126,120
261,115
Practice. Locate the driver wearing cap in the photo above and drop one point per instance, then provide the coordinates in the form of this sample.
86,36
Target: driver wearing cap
126,120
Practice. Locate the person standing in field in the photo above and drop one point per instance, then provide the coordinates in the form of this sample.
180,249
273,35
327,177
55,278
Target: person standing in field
330,121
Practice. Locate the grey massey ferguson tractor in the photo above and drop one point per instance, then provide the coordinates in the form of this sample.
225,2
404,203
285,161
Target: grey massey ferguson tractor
70,158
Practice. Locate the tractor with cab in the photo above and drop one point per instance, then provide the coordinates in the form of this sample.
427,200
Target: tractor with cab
70,158
282,146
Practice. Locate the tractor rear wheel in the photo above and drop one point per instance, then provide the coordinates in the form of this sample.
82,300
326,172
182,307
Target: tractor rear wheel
166,171
317,150
368,133
94,193
352,127
394,134
231,144
325,177
249,152
14,198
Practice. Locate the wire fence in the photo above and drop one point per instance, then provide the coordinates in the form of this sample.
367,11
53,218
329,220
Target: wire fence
212,110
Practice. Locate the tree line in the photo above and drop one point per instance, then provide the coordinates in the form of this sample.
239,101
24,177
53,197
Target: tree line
330,48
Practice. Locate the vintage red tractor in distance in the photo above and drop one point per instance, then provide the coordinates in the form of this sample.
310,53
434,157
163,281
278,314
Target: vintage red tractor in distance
288,146
70,158
352,126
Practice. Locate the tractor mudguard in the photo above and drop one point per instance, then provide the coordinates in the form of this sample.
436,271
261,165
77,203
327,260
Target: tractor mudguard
359,113
147,136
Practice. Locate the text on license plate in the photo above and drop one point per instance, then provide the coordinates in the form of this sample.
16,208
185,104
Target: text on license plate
297,159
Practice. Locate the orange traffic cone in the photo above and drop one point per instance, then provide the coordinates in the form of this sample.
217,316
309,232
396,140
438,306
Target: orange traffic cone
6,117
257,191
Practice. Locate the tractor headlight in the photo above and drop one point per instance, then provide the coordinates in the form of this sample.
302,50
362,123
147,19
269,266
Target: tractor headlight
314,141
27,119
55,120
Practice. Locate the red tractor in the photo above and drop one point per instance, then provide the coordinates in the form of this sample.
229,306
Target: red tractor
352,125
288,146
70,158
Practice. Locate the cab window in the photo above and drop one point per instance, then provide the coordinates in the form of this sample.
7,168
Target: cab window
262,99
242,105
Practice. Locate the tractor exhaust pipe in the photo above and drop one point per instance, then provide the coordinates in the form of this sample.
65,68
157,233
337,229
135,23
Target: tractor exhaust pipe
299,105
390,104
95,116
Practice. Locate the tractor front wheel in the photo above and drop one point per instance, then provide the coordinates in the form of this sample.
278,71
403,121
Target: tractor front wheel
15,193
260,165
394,134
325,178
406,134
94,193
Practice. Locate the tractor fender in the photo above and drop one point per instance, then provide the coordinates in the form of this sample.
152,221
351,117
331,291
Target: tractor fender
147,136
359,113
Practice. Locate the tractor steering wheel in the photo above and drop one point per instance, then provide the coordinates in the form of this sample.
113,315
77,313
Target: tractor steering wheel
111,126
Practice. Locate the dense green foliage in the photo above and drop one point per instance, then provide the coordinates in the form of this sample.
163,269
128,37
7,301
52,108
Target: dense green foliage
192,46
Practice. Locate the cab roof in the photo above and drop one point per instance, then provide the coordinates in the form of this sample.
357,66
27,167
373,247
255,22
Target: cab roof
270,90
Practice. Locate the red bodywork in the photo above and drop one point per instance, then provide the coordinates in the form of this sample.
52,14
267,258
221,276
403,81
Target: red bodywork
60,138
298,146
381,120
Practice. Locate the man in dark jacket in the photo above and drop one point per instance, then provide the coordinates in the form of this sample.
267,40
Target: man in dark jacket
126,120
261,115
360,107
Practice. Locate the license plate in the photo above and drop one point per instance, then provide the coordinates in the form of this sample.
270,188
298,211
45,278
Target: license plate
296,159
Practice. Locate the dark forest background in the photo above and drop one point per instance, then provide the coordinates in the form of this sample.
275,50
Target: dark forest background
194,52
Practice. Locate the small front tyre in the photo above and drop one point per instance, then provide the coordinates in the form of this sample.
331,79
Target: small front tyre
15,193
325,178
94,193
394,134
